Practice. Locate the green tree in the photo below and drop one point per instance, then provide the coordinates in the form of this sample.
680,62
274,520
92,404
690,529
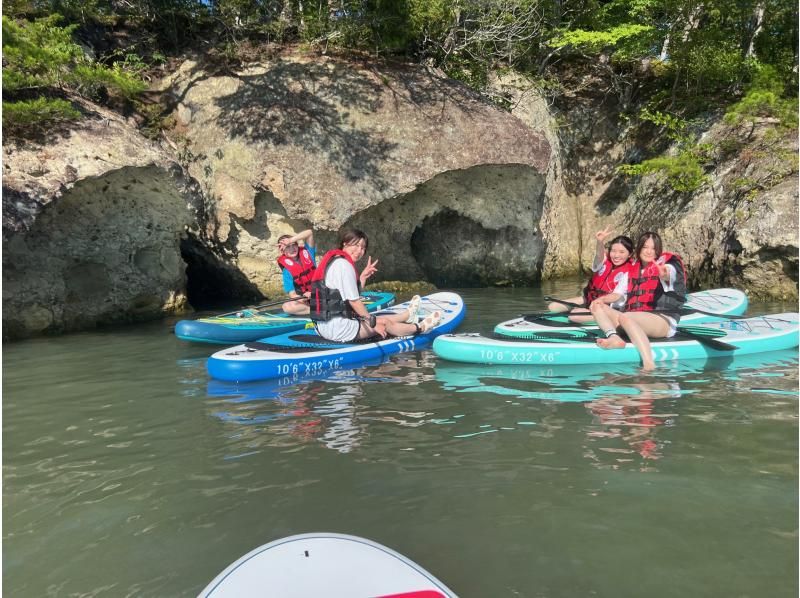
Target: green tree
42,64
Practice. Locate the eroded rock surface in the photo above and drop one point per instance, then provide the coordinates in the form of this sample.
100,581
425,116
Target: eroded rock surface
102,225
740,229
322,142
92,223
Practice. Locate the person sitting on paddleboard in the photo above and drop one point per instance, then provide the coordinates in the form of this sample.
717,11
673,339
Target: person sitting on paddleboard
656,292
297,263
609,281
336,307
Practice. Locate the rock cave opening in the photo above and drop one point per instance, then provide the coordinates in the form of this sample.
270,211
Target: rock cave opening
455,251
210,283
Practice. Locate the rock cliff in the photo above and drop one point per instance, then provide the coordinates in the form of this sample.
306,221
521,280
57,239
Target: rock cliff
448,187
740,229
102,225
92,223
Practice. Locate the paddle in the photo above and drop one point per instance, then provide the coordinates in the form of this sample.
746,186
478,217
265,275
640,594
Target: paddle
695,333
258,307
704,337
274,303
549,316
683,309
553,319
562,302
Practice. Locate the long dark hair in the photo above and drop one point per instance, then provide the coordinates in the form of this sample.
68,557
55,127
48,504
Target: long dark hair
657,245
626,242
353,235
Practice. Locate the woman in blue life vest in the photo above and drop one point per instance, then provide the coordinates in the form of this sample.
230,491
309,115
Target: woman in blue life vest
609,278
336,306
656,292
297,263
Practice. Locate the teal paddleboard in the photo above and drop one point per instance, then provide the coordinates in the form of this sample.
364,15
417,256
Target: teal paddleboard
569,347
248,325
702,306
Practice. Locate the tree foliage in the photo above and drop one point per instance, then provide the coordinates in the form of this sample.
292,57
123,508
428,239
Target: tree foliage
693,54
41,62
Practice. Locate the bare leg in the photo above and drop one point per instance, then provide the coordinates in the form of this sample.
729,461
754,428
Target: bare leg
297,308
394,325
607,320
640,327
398,317
560,307
579,315
401,328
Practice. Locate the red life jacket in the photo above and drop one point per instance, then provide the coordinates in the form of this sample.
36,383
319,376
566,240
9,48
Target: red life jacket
604,281
644,285
327,303
301,269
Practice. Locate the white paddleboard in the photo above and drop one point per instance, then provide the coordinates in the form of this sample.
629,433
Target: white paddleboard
325,564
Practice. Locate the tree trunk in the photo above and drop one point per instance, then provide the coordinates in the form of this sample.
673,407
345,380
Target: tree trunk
665,48
758,25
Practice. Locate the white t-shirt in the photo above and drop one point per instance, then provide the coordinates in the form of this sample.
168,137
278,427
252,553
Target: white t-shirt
341,276
621,289
620,283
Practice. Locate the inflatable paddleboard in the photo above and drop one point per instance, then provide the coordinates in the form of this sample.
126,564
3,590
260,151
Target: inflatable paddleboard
305,353
570,347
250,325
712,303
324,564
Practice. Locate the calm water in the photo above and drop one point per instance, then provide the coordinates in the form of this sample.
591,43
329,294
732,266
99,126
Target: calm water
127,472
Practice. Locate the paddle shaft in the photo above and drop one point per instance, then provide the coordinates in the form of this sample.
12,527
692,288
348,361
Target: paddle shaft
684,309
271,304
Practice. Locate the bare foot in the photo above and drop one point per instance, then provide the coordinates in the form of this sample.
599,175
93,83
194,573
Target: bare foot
613,342
648,366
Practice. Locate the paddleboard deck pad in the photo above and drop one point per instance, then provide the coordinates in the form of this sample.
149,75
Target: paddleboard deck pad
714,302
303,354
250,325
325,564
569,347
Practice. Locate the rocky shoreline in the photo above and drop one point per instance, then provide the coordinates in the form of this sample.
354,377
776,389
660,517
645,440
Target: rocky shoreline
102,225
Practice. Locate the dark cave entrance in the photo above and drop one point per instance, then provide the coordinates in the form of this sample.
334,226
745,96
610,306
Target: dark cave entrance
212,284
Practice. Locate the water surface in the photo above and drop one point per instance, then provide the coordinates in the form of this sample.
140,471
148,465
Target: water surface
128,472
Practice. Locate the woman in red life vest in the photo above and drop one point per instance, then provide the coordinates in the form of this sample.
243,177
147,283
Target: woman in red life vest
656,293
609,279
336,306
297,263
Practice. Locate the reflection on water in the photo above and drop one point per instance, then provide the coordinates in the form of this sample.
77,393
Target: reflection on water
327,410
627,406
632,420
128,472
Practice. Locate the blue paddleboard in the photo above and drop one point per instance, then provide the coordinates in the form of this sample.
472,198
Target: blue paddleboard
251,324
303,354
